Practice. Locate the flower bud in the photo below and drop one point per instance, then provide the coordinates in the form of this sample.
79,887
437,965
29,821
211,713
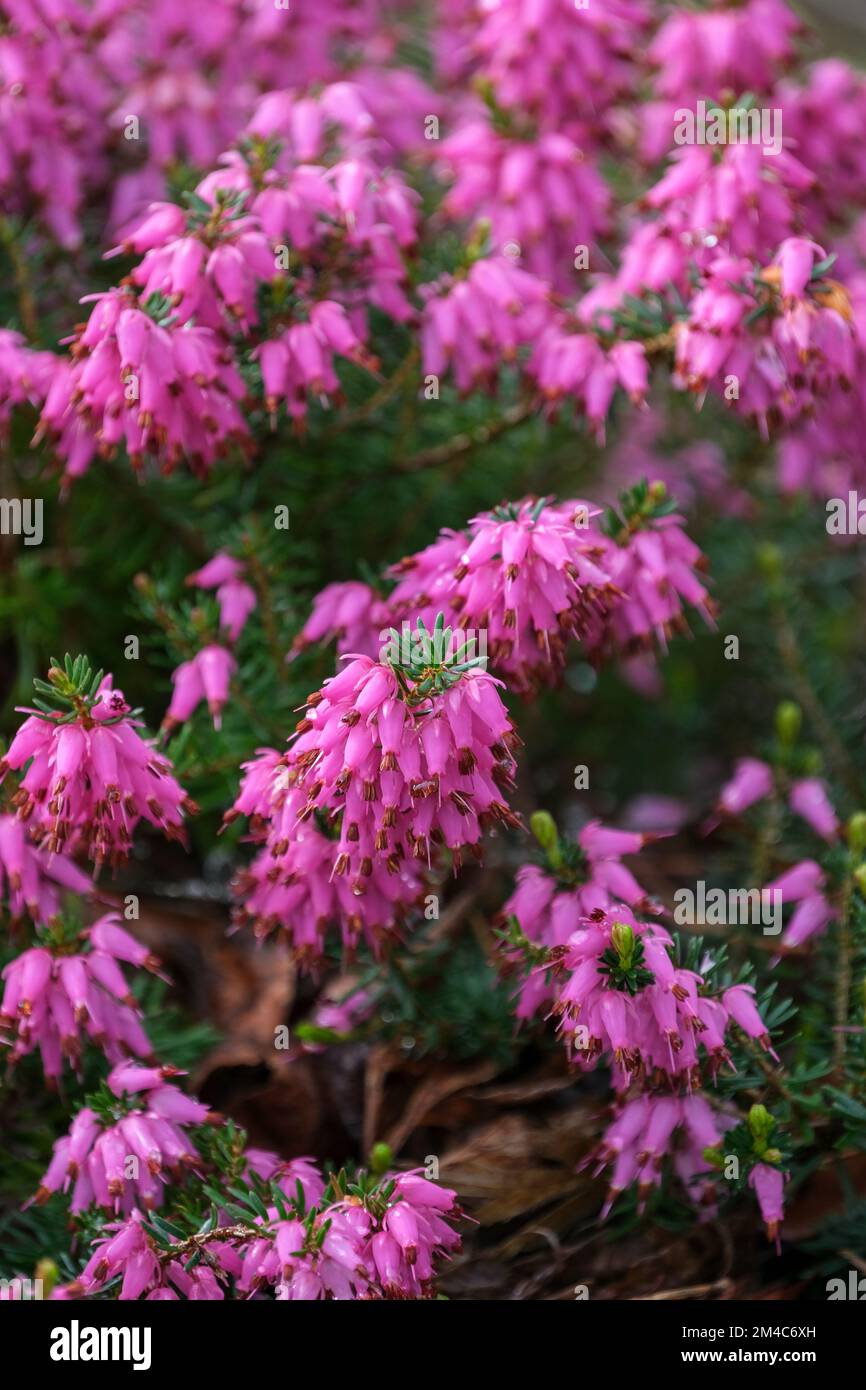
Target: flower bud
381,1158
856,832
622,936
543,827
789,719
770,561
761,1123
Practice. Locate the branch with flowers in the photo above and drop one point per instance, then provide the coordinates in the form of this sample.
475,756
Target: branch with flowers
598,384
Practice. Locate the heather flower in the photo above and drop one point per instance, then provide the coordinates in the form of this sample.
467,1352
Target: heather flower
235,597
824,110
576,879
299,363
472,324
768,1184
70,987
528,576
742,48
740,1005
208,265
572,365
560,65
620,997
391,761
91,777
31,881
139,379
808,798
336,1017
207,676
288,1174
650,1128
291,887
540,196
752,782
126,1143
350,612
353,222
370,1241
784,333
379,112
25,375
652,563
402,755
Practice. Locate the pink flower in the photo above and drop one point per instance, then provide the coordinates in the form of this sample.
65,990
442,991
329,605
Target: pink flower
120,1157
162,389
768,1185
752,782
236,598
90,775
798,882
31,881
650,1128
291,887
206,677
330,1247
653,564
809,799
472,325
525,579
549,902
403,755
221,569
810,918
56,996
541,196
739,1002
351,612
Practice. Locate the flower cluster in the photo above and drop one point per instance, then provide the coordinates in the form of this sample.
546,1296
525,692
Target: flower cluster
126,1143
90,776
292,887
620,996
646,1130
350,613
805,882
31,881
372,1240
138,378
71,987
576,879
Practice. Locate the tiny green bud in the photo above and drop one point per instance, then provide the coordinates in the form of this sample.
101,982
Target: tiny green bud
49,1273
773,1156
543,827
657,491
761,1123
714,1158
770,560
860,878
622,936
812,762
381,1158
789,719
857,832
